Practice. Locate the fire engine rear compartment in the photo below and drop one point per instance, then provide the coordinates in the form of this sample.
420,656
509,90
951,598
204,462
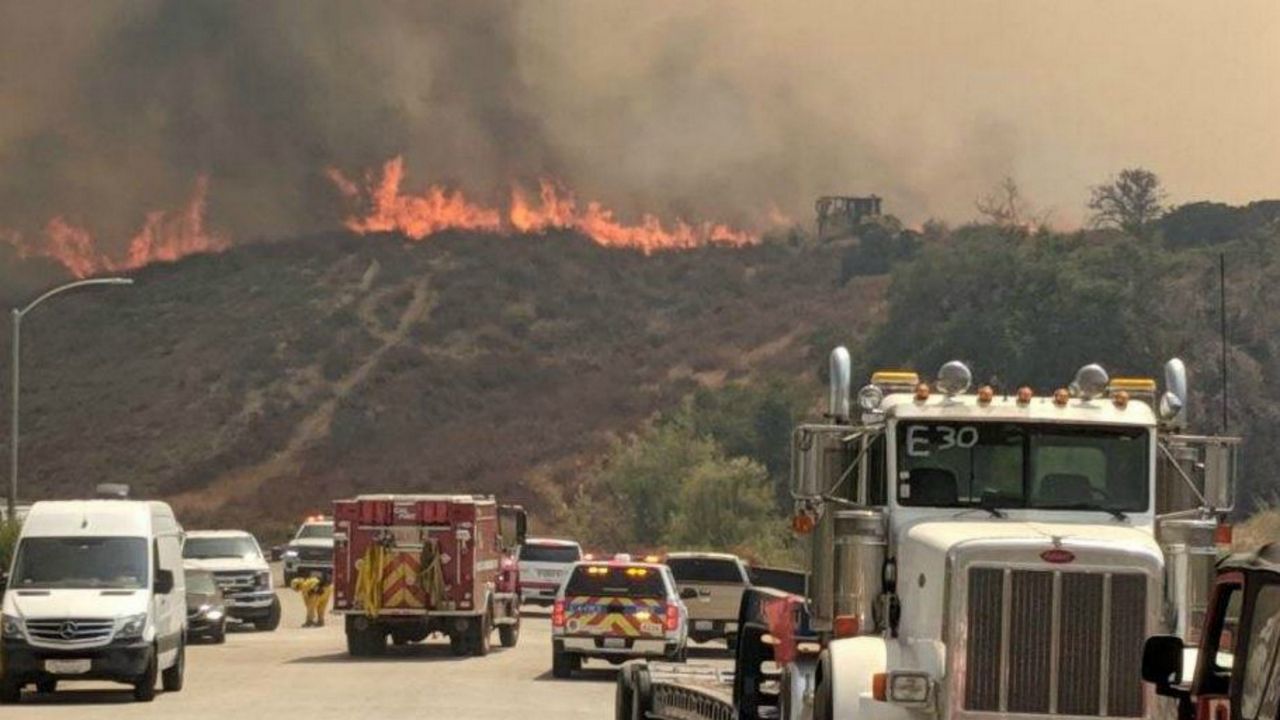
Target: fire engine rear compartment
407,567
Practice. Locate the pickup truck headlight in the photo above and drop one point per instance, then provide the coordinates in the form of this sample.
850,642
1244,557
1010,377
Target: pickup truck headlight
290,554
264,580
132,627
12,627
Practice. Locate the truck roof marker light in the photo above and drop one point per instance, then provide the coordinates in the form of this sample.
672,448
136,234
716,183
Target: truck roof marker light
985,395
1133,384
1024,395
954,378
1223,535
1060,397
895,378
1120,399
846,626
922,392
802,523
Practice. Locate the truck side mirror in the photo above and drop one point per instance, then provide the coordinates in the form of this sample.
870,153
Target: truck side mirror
164,582
1162,663
1219,476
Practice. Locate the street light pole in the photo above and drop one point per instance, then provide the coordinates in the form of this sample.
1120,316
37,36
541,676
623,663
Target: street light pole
12,504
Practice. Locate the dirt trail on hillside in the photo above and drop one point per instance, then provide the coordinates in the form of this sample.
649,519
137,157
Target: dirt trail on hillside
315,426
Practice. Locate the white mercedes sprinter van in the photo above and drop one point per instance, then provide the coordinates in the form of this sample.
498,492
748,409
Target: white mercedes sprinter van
96,592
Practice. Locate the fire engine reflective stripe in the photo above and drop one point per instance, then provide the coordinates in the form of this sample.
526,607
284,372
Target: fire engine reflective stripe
400,582
369,572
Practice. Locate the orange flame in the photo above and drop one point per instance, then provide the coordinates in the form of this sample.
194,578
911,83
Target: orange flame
414,215
438,209
165,236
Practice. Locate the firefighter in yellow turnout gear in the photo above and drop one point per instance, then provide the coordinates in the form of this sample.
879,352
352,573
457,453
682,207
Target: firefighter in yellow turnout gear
315,592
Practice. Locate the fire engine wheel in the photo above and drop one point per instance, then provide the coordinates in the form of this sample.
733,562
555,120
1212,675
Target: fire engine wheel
509,635
367,642
822,699
478,634
457,643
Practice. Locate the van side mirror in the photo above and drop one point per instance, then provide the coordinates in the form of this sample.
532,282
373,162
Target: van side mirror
688,594
1162,664
164,582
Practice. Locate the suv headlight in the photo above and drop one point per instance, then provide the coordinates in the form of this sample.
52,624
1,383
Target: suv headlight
132,627
264,580
12,626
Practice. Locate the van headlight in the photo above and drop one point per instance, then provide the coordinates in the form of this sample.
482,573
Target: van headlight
132,627
12,627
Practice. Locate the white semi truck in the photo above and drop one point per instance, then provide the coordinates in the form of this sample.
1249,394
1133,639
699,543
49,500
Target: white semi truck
976,554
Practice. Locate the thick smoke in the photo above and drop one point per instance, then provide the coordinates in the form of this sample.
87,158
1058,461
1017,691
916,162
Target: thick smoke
713,110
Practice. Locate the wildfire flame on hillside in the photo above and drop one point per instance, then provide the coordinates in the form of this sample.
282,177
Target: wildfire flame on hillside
165,236
439,209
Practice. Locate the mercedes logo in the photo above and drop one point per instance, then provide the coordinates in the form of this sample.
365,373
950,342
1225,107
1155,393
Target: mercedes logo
68,630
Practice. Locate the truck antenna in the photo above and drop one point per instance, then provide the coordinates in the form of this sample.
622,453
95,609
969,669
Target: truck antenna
1222,326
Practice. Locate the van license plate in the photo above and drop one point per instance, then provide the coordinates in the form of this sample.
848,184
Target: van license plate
615,642
68,667
702,625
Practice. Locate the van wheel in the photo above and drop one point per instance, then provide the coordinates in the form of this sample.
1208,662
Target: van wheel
272,620
144,688
509,635
10,691
171,678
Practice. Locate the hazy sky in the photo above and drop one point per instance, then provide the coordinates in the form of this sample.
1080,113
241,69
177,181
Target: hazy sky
712,109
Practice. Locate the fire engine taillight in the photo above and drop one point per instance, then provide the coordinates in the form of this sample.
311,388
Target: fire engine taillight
673,618
557,614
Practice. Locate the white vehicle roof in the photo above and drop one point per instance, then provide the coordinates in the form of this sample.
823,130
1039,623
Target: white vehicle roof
551,541
703,556
218,534
1102,411
99,518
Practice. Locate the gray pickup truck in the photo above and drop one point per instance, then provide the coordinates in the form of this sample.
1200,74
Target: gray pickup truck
712,585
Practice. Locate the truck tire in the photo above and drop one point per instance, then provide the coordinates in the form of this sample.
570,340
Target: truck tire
272,620
458,643
823,702
561,662
172,677
642,695
479,633
625,690
10,690
731,641
144,687
509,635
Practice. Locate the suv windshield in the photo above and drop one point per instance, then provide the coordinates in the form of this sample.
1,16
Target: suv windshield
550,553
616,580
88,562
204,548
705,570
1048,466
323,531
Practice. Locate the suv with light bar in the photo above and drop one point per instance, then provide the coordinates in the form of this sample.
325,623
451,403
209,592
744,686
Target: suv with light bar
544,563
617,611
311,550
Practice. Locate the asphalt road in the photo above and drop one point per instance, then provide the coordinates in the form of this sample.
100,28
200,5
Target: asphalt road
306,673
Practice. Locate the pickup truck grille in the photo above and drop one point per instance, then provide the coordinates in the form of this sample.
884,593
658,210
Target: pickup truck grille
1045,642
70,631
236,581
315,555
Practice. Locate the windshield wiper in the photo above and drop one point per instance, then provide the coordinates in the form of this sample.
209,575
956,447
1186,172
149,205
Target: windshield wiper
1117,514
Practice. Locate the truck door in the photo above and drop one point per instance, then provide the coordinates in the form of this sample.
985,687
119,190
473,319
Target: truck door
1217,658
1257,692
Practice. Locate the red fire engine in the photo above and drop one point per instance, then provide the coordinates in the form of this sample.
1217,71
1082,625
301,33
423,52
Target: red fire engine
410,566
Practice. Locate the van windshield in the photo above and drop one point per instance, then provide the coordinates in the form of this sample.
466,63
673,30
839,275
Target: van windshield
82,562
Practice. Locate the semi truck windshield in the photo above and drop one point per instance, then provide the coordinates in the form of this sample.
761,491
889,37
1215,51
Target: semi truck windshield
1022,465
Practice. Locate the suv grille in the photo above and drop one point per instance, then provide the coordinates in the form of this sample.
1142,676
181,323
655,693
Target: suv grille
71,631
1045,641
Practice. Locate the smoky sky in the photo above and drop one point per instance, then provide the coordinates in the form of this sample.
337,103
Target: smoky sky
715,110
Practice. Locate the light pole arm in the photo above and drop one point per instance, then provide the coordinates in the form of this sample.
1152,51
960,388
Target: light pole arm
72,286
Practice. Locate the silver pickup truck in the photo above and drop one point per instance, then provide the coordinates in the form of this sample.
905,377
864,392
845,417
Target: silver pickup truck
711,585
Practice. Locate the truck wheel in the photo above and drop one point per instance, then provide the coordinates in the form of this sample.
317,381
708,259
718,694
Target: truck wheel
561,662
171,678
622,697
731,641
823,702
144,688
272,620
642,696
480,631
458,643
10,690
509,635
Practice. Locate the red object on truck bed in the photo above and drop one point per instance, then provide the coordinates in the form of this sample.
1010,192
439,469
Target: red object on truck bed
409,566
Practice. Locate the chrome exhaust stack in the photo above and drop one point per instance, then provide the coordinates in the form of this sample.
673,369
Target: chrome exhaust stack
841,370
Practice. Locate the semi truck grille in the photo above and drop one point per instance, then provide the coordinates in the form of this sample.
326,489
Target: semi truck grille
70,631
1044,642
